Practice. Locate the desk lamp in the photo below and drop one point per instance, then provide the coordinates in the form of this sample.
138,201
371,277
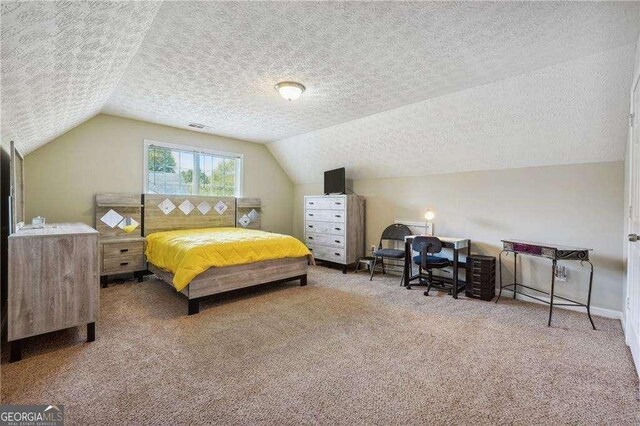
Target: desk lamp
428,228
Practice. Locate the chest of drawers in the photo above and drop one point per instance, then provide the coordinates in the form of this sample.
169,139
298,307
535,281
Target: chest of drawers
334,227
53,281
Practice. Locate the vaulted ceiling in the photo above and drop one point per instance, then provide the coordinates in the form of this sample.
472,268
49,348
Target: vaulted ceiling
385,80
61,61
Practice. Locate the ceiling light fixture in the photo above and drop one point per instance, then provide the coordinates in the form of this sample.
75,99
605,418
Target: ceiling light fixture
290,90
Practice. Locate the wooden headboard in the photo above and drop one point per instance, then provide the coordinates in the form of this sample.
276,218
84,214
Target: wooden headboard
114,207
168,213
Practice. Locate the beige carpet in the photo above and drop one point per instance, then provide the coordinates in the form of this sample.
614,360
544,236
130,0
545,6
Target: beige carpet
342,350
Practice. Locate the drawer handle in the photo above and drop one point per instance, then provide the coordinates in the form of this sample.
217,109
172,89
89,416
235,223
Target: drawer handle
338,215
310,214
124,250
337,241
338,203
311,202
311,238
337,254
310,226
124,263
338,229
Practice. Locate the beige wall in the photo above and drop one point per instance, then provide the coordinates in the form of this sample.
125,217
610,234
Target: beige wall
105,154
576,204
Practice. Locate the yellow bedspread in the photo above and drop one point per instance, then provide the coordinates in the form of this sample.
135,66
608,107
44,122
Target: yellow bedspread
187,253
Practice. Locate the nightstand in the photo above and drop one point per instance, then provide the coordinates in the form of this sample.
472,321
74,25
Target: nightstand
118,219
121,256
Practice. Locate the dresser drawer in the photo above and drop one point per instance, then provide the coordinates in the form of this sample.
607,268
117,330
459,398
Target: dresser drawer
324,240
331,228
123,264
331,254
116,250
324,215
325,203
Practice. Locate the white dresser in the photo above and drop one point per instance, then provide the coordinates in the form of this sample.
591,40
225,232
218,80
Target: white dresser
334,227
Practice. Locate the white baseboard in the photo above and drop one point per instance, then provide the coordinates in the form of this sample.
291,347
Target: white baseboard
601,312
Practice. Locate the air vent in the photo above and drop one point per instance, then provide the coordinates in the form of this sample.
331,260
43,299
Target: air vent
197,125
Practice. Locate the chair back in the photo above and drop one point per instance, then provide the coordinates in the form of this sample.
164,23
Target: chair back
395,232
425,245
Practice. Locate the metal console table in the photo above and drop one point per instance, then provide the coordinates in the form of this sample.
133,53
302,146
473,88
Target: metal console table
549,251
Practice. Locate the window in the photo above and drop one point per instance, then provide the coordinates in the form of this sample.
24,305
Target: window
183,170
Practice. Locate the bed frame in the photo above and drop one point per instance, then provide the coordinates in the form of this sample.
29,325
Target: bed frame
215,280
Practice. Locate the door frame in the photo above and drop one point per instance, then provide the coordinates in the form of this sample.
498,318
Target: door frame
631,338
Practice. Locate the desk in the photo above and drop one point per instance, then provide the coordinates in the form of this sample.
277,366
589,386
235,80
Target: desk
456,244
550,251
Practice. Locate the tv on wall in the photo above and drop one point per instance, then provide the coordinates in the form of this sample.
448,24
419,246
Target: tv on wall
335,181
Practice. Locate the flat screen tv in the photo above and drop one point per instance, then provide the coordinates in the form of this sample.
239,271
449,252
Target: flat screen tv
334,181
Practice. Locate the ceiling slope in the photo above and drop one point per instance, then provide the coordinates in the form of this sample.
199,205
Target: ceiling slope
61,61
575,112
216,63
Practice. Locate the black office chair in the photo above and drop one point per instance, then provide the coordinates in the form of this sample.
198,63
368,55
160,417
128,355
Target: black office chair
427,246
395,232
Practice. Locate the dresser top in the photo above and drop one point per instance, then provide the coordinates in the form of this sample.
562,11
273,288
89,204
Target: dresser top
335,196
54,229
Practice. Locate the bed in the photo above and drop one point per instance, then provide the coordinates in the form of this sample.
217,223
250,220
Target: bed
204,254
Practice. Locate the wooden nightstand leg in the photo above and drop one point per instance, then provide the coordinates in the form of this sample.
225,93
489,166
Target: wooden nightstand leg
139,275
104,281
91,332
15,351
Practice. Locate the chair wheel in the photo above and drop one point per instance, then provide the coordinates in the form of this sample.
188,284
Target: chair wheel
408,287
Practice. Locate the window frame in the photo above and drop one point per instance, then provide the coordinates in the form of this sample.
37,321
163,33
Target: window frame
238,190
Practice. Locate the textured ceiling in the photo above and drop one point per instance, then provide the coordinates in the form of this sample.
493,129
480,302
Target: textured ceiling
61,62
217,63
574,112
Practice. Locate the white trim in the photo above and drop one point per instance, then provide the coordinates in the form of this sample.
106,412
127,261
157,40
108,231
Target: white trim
632,339
239,190
600,312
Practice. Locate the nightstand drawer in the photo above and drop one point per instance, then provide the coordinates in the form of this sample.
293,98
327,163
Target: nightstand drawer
127,263
117,250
